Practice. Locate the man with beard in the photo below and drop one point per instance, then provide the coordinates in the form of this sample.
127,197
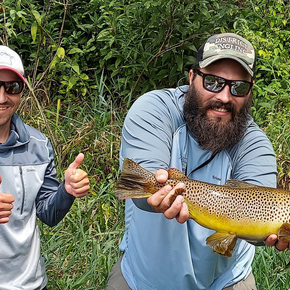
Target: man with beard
206,131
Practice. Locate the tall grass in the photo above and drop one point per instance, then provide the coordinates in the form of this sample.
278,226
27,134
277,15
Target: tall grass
80,251
269,268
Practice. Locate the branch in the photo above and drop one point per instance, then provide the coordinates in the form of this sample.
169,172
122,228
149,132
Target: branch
158,54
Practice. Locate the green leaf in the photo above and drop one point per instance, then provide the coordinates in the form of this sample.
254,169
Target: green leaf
34,27
60,52
76,68
84,77
75,50
72,81
54,61
37,16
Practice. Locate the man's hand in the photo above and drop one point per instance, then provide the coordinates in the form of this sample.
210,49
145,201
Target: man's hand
76,180
272,240
160,200
6,205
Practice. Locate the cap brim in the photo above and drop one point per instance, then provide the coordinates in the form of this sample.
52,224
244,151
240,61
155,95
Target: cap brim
210,60
13,70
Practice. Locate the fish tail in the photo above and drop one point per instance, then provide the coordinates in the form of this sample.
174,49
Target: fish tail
135,181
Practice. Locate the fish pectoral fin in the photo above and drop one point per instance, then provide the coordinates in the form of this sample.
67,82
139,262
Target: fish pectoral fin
222,243
284,233
239,183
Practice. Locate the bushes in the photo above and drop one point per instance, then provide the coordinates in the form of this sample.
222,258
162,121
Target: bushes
265,25
86,61
140,45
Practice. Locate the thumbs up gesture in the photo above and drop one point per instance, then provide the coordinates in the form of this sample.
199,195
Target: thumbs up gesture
76,180
6,205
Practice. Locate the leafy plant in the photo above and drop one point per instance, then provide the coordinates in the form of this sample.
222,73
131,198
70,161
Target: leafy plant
86,61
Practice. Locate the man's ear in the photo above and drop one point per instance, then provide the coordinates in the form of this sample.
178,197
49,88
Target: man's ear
191,76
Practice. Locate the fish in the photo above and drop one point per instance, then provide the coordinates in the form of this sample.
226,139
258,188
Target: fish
235,210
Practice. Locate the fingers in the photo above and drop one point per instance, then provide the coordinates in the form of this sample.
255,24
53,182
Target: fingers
161,175
160,199
6,198
271,240
280,245
161,203
6,206
174,209
183,214
77,162
76,180
78,184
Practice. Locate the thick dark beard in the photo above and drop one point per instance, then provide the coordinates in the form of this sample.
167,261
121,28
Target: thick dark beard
214,135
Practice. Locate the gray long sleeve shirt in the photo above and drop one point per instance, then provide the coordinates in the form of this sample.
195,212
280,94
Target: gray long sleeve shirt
28,173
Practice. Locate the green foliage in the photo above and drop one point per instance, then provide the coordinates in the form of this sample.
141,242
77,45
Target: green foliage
265,24
270,269
86,61
140,45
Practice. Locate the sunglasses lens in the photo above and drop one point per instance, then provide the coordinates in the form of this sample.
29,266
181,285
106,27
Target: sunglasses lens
240,88
14,88
213,83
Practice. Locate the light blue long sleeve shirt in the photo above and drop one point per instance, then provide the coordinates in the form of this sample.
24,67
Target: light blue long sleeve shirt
163,254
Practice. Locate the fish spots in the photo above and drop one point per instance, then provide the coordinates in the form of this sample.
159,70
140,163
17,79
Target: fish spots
235,202
251,203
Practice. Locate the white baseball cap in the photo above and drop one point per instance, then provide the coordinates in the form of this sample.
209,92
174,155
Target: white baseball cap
10,60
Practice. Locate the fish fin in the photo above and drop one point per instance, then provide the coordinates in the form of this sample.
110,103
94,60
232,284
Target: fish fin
178,191
134,182
222,243
239,183
174,173
284,233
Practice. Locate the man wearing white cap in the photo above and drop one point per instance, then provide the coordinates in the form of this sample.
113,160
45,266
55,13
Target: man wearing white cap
205,130
29,187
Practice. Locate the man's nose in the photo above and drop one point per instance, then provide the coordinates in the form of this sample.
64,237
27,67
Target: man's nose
3,94
224,95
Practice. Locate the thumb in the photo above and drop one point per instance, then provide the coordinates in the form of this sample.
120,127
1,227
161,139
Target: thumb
77,162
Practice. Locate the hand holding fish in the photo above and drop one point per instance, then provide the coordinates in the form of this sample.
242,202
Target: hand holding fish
235,210
76,180
272,241
161,199
179,210
6,206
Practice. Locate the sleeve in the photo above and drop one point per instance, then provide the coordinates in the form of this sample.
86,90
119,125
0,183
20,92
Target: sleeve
52,202
147,133
255,160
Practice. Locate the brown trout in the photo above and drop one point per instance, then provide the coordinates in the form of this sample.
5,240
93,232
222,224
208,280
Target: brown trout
235,210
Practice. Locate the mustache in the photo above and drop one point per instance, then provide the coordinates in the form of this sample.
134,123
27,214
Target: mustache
217,104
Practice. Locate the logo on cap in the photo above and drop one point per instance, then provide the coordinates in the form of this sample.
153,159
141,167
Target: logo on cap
227,45
6,59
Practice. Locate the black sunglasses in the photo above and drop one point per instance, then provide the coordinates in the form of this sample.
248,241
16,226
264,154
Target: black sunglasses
13,87
215,84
